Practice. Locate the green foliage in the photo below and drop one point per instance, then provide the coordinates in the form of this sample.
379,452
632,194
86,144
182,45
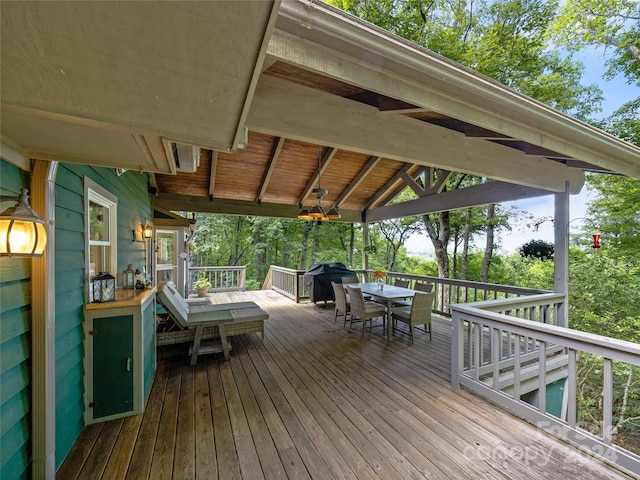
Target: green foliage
611,23
507,40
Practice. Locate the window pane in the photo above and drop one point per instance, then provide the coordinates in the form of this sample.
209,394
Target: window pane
166,248
98,259
98,222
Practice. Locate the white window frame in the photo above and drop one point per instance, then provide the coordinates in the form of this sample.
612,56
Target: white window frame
94,193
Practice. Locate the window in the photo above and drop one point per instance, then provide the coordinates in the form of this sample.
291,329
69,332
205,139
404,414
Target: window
101,221
166,256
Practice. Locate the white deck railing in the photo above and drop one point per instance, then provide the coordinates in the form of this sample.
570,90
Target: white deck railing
501,347
222,279
286,281
449,291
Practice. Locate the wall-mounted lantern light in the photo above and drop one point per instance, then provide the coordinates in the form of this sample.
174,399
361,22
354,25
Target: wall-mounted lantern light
147,231
22,232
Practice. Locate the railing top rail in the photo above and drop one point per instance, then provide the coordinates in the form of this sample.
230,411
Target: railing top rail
514,303
465,283
604,346
234,267
288,270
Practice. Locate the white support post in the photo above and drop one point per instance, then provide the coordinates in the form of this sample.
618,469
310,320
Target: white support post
365,244
561,254
43,336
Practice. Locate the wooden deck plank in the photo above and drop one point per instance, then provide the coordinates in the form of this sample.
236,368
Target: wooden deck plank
97,461
290,460
226,456
374,445
245,446
75,460
163,454
184,457
313,445
121,456
142,455
206,464
314,399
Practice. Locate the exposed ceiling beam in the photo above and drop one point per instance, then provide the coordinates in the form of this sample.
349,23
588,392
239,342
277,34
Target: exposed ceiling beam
302,113
212,173
373,161
270,167
439,184
385,189
485,193
187,203
324,163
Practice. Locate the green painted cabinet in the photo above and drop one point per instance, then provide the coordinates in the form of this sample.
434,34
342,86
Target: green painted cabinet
120,355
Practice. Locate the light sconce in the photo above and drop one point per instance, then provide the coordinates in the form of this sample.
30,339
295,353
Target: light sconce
147,231
22,232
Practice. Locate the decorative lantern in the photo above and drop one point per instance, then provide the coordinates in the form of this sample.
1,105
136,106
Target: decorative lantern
596,240
22,231
128,277
103,288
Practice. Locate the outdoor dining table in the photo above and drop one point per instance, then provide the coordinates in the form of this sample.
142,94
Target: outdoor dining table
388,293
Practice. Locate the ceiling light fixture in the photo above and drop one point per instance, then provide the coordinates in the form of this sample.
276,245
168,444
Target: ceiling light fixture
317,213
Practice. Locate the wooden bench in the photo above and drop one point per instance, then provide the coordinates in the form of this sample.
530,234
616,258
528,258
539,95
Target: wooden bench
206,322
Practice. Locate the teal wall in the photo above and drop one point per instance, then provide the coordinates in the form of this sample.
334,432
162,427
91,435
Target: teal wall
149,346
134,207
15,367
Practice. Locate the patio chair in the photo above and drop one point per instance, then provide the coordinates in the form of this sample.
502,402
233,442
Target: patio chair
418,313
423,287
341,303
364,310
419,286
401,283
222,320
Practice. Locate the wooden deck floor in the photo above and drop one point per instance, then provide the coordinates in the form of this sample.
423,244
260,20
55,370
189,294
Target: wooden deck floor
317,400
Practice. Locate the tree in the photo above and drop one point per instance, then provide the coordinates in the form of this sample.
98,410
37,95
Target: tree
613,24
616,213
537,249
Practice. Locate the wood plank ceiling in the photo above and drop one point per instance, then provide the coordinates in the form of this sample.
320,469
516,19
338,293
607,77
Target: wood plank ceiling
282,171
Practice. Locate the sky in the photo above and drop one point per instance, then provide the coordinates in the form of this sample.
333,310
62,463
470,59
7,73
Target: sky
615,92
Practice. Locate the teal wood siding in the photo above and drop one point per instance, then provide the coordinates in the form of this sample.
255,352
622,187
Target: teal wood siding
149,345
15,365
134,207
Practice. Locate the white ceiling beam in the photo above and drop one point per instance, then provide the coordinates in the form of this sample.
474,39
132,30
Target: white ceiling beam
490,192
416,76
284,108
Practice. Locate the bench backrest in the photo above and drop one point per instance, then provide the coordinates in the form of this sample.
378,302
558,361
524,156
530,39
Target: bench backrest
174,303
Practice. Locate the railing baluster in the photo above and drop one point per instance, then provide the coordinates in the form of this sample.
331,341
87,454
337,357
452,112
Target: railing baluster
607,404
571,388
542,378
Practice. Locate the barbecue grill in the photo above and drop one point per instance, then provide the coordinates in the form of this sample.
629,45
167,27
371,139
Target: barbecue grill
318,278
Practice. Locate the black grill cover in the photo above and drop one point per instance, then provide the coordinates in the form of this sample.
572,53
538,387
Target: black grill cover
318,278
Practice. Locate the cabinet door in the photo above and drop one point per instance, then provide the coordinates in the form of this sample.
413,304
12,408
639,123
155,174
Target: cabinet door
112,365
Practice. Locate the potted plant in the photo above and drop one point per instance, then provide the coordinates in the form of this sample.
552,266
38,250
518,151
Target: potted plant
202,285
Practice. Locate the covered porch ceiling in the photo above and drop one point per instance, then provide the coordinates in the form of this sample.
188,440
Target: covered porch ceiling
236,107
